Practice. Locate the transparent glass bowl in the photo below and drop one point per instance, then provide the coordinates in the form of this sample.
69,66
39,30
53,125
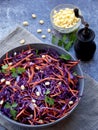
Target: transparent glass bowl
61,29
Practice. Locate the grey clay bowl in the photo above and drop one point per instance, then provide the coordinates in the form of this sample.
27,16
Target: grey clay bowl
19,126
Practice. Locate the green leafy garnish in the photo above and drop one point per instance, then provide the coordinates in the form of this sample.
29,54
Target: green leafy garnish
75,73
65,40
3,71
7,105
68,45
12,107
72,36
13,113
65,57
47,92
54,39
36,51
49,100
60,43
20,70
4,68
16,71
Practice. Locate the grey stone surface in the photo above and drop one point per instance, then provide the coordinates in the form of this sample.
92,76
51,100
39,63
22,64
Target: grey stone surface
14,12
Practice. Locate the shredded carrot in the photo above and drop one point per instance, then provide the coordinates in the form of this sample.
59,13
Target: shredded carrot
31,75
20,113
18,63
42,80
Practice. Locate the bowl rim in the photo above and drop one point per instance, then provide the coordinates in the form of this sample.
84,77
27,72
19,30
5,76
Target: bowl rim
69,112
62,28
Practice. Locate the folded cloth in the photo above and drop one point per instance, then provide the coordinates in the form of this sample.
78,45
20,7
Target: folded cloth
14,38
84,117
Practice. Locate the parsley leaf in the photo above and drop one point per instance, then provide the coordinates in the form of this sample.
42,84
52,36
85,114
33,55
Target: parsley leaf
7,105
72,36
54,39
75,73
13,113
68,45
14,74
16,71
3,71
49,100
12,107
5,66
20,70
47,91
36,51
65,57
60,43
65,40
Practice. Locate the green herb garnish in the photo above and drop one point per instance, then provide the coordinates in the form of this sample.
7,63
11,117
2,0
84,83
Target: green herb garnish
36,51
49,100
16,71
3,71
65,57
4,68
60,43
68,45
65,40
72,36
20,70
13,113
7,105
75,73
54,39
47,92
12,107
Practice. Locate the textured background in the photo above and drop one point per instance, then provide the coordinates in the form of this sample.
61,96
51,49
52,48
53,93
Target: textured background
14,12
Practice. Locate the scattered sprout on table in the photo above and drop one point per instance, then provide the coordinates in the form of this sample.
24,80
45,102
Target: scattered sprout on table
22,41
43,36
41,21
48,30
34,16
25,23
39,30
